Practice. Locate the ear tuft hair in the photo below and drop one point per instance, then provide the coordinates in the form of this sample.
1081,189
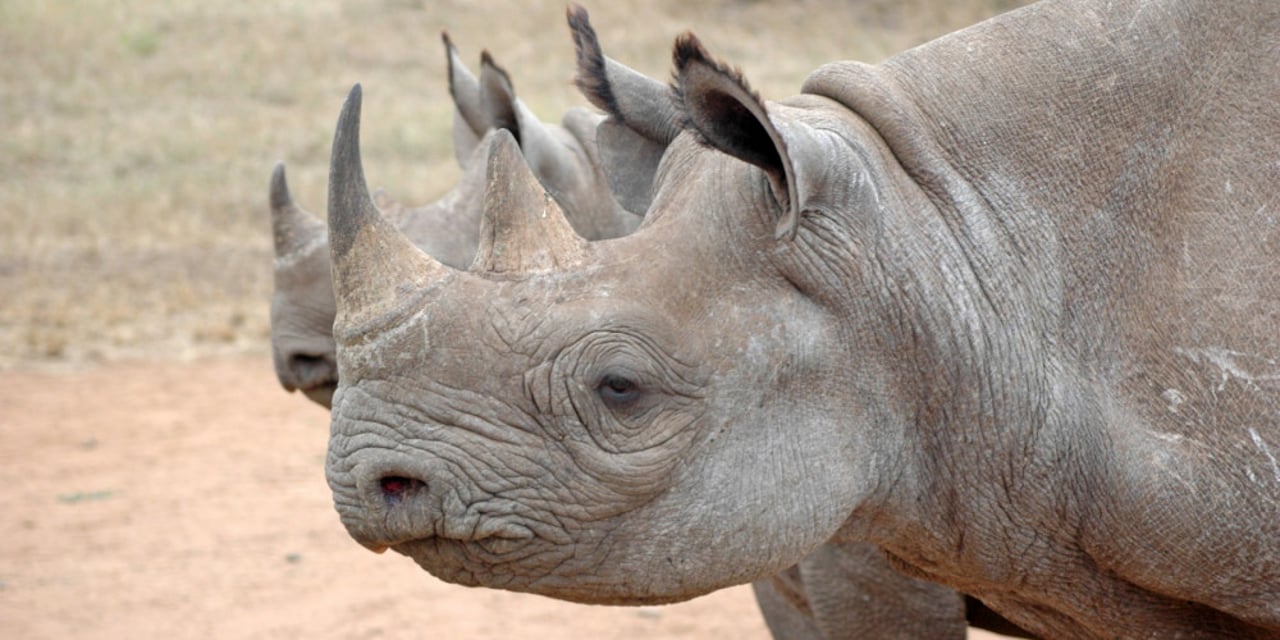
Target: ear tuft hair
687,52
687,49
450,52
497,93
591,76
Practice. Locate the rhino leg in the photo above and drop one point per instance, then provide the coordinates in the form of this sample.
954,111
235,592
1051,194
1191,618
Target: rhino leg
786,610
847,591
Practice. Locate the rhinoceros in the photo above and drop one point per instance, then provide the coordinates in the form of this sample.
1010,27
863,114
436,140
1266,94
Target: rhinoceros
563,158
448,231
1004,305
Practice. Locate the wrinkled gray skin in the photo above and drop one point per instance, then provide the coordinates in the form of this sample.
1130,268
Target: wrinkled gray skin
1004,305
840,591
563,158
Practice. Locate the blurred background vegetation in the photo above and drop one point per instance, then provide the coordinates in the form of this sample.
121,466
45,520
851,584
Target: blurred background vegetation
137,137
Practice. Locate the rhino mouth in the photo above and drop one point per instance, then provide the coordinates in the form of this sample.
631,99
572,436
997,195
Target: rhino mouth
321,393
535,566
468,561
513,563
392,500
315,374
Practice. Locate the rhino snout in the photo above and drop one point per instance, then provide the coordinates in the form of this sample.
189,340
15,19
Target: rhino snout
396,505
393,504
383,506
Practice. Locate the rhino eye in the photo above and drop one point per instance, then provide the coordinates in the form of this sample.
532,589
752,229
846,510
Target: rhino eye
617,391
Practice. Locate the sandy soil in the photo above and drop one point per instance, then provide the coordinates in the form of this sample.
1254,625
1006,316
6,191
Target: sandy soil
187,500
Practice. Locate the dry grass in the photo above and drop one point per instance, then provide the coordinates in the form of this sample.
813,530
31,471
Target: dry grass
136,138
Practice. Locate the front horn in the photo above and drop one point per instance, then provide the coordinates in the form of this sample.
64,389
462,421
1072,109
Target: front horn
374,265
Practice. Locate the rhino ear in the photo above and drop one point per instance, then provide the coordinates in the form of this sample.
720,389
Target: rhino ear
729,116
642,121
373,264
546,150
498,96
469,118
628,96
630,163
293,228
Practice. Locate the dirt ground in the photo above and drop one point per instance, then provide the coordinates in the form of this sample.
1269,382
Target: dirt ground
187,500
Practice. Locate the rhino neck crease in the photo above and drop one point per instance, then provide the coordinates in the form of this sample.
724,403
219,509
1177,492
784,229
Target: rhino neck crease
961,318
963,286
1095,198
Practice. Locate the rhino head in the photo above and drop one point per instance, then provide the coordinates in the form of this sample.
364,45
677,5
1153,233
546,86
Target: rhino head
563,157
637,420
302,297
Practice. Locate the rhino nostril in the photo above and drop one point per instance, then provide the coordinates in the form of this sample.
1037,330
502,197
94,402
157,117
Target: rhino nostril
396,488
307,362
311,371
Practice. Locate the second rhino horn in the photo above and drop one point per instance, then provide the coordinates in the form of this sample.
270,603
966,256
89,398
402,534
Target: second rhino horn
293,228
523,230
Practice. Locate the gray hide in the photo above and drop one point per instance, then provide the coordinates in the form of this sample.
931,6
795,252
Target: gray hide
1004,305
